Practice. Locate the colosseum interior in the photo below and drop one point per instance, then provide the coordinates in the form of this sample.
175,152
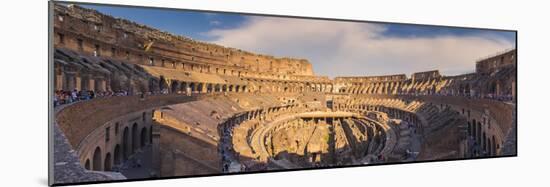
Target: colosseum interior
189,108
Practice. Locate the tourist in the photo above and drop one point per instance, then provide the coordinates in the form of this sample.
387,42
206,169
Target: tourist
74,95
56,99
92,95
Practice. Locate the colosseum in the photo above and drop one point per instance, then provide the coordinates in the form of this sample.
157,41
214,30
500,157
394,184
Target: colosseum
152,104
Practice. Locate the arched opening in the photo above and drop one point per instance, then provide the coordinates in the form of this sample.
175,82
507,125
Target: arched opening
474,129
469,129
126,143
174,86
192,85
162,83
209,88
484,148
135,138
87,164
467,89
97,159
117,157
107,163
143,136
478,136
493,87
493,146
151,134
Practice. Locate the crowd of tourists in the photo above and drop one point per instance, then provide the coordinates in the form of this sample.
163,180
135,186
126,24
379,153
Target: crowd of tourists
62,97
498,97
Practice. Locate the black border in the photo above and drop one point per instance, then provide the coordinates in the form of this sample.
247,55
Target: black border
50,101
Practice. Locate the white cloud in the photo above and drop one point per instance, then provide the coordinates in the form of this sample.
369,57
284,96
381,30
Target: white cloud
215,22
348,48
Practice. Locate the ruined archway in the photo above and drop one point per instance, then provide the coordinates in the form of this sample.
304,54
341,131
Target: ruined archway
107,162
135,138
126,143
193,88
96,161
174,87
143,136
87,164
117,155
162,83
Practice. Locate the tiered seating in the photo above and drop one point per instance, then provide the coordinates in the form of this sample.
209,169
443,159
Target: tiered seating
242,146
246,134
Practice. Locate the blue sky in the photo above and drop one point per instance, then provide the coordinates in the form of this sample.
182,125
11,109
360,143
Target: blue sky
334,48
187,23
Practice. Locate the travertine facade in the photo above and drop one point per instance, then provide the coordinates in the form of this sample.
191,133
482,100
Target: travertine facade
199,108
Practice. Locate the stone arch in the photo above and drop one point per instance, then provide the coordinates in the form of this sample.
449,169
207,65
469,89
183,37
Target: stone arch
174,87
193,88
469,129
162,83
87,164
126,143
489,146
209,88
493,146
479,132
117,155
107,162
474,128
493,87
135,137
484,147
96,159
143,136
200,88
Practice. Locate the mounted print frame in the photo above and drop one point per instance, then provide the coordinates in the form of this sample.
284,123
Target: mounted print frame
143,93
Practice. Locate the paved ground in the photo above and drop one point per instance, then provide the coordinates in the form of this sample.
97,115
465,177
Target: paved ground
416,143
138,165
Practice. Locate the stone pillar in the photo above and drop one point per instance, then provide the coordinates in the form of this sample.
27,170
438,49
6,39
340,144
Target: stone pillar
204,88
156,162
71,82
102,85
59,79
91,84
78,85
84,83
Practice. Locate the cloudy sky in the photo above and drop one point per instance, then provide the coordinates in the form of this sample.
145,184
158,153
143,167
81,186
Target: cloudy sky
334,48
